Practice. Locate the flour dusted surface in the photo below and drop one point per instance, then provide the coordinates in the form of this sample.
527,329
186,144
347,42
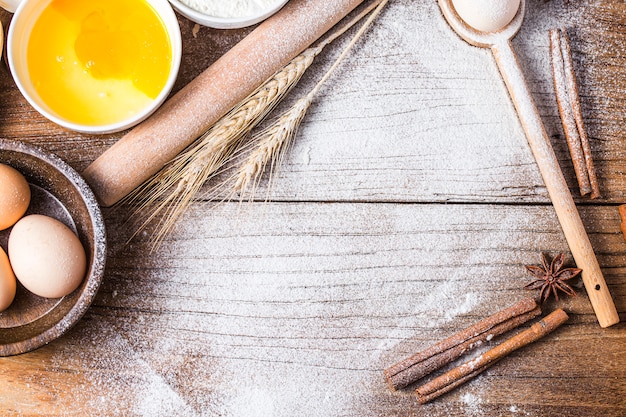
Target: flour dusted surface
230,8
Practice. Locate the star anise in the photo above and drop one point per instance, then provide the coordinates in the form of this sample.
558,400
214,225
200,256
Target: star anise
551,278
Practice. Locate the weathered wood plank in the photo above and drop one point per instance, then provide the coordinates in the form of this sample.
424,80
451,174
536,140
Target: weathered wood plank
295,309
414,113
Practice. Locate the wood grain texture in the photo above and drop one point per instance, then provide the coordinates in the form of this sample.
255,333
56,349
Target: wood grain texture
405,212
320,300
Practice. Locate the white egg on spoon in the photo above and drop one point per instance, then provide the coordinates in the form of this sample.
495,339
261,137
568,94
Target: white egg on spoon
487,15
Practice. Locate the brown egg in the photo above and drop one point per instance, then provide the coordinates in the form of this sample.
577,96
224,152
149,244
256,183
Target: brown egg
14,196
47,257
7,282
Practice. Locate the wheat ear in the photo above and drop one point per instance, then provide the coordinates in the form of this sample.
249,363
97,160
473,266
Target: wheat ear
172,189
273,142
169,192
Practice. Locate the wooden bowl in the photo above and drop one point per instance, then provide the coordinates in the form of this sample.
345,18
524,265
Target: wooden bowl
60,192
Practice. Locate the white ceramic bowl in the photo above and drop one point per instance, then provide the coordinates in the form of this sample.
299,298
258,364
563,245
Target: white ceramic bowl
225,22
19,30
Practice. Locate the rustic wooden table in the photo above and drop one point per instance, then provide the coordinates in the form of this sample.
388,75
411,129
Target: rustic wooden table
405,211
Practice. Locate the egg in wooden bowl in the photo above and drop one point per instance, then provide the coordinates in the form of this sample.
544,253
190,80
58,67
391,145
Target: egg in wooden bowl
60,201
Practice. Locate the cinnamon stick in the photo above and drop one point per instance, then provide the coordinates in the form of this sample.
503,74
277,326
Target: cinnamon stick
568,101
468,370
423,363
570,76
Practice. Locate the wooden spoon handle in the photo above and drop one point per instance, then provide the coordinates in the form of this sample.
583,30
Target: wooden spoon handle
556,185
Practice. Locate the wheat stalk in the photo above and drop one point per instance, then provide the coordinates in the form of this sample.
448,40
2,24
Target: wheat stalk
171,190
169,193
272,145
273,141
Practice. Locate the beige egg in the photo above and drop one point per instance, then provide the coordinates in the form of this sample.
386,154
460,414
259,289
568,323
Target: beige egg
14,196
487,15
47,257
7,282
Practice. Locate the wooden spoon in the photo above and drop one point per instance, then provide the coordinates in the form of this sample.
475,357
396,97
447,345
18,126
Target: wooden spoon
500,44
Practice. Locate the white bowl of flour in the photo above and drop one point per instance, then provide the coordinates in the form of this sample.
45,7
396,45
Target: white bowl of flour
227,14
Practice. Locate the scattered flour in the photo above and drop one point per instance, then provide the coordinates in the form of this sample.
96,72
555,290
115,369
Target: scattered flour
257,328
472,404
230,8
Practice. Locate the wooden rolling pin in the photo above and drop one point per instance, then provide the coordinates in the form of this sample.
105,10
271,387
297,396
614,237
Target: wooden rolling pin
184,117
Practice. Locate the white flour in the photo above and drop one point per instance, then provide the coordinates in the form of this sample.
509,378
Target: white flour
230,8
